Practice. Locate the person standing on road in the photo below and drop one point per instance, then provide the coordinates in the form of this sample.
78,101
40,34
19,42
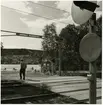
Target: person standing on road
23,67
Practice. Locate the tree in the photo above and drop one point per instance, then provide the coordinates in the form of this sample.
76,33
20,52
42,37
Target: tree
50,44
99,26
69,53
72,35
99,33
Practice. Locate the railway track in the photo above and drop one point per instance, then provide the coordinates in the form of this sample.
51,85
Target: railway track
9,94
76,91
25,99
37,99
8,97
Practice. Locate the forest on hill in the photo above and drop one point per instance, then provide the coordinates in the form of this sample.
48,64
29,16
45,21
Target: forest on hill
13,56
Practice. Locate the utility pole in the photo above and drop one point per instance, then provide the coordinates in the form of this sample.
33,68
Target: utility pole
92,66
90,45
59,59
60,54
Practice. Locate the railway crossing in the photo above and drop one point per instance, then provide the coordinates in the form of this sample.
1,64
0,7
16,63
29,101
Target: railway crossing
74,87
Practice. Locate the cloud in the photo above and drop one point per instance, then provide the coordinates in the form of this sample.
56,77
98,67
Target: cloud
20,5
65,5
59,27
38,23
35,1
98,14
10,20
35,25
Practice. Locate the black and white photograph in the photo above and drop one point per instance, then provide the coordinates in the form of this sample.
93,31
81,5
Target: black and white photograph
51,52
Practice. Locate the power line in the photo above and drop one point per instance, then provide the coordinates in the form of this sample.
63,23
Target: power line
32,14
25,12
50,7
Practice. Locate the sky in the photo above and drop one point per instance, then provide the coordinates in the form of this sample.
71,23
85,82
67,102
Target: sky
27,22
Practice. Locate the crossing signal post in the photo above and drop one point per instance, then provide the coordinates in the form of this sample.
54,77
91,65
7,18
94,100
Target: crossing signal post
90,45
92,67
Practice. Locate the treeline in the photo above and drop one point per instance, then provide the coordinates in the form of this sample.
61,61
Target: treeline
68,42
13,56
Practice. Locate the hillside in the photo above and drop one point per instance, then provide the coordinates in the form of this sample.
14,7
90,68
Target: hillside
13,56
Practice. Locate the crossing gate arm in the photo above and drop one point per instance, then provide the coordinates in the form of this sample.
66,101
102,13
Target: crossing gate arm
21,34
